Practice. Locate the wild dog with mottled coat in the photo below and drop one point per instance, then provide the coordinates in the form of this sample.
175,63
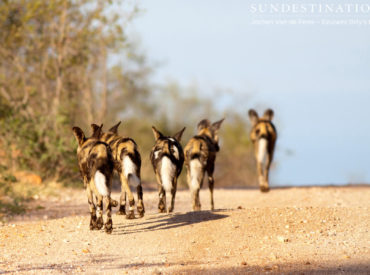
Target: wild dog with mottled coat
263,135
127,163
200,156
96,167
167,158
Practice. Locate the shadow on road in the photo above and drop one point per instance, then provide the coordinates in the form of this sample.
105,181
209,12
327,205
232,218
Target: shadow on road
166,222
288,268
67,268
112,264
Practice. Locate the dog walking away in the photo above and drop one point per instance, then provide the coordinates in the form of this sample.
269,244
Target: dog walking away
263,135
200,156
127,163
96,167
167,158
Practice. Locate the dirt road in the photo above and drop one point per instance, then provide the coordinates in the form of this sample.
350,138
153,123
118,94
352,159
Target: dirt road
289,230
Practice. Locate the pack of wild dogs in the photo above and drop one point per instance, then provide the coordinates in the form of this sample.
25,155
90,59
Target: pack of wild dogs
105,152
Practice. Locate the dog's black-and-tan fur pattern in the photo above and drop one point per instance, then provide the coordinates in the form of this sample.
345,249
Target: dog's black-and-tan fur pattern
167,159
263,135
96,167
127,163
200,156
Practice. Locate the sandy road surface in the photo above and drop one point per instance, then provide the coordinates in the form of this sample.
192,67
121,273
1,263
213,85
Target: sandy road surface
289,230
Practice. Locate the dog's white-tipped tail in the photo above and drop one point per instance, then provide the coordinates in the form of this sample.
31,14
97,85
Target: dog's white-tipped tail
130,170
101,183
262,150
168,170
195,174
133,180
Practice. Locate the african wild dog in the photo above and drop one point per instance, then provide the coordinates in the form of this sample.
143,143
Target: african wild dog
263,136
167,158
200,156
127,163
96,167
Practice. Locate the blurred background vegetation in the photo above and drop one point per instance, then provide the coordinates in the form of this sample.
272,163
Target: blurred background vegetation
65,63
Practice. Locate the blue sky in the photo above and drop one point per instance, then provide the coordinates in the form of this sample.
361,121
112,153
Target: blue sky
316,78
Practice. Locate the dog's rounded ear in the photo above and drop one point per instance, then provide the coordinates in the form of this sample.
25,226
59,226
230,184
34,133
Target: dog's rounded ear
253,116
178,135
94,128
97,132
204,123
156,133
114,129
216,125
268,114
79,135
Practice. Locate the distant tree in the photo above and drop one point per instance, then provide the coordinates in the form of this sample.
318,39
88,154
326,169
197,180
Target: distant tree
56,70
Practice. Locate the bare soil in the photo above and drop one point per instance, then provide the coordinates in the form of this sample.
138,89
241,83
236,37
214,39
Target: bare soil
308,230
